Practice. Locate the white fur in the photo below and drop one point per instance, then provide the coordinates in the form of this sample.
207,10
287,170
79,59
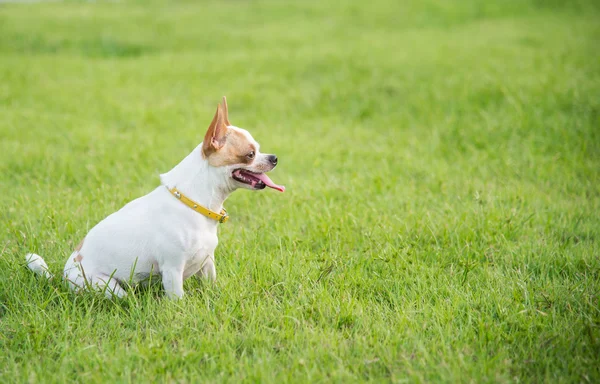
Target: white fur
37,265
155,234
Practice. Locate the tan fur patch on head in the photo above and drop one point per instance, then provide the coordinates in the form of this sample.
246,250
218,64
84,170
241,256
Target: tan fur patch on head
235,150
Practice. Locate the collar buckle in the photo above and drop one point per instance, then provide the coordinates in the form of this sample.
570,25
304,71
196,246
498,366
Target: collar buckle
224,216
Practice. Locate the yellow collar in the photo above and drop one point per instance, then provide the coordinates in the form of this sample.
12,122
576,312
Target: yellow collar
220,217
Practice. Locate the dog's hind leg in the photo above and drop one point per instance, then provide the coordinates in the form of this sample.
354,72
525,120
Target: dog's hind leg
109,285
79,278
74,274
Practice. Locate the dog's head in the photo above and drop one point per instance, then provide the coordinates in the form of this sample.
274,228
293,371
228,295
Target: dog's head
235,151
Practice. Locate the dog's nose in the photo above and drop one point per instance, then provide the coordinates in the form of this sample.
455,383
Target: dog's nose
273,159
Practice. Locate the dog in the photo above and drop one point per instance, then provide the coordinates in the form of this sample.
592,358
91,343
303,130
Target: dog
170,233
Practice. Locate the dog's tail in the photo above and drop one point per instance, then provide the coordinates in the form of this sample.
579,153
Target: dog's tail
37,265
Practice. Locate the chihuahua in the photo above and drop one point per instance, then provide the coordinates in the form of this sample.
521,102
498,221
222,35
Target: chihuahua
170,233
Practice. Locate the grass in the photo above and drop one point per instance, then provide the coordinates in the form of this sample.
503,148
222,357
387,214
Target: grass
442,160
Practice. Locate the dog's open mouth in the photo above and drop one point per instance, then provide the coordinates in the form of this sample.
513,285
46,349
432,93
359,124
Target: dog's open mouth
255,180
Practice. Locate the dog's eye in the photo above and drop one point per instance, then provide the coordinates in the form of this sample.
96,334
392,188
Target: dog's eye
250,155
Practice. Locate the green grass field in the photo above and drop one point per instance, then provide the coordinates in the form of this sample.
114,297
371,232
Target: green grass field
442,160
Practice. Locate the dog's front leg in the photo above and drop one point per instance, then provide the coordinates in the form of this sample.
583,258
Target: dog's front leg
208,270
173,283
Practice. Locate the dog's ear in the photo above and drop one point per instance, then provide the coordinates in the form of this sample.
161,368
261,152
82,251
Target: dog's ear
215,136
225,112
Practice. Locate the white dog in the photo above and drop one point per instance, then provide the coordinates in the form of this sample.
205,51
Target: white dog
170,233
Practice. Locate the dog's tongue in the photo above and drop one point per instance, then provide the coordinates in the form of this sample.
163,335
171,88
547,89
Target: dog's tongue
269,183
